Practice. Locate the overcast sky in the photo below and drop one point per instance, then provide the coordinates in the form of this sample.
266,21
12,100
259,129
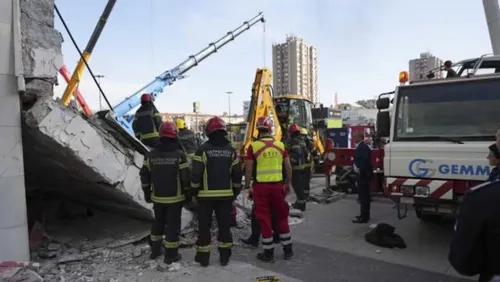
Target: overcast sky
362,45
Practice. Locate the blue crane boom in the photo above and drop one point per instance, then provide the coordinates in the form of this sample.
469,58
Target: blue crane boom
156,87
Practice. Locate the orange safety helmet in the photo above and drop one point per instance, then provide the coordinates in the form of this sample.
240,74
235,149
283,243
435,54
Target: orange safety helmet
293,128
215,124
146,97
264,123
168,130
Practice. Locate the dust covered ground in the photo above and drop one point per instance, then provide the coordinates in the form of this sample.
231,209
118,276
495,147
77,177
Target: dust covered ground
328,247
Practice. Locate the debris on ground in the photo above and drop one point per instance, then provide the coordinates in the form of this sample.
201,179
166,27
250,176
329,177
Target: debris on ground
109,247
327,196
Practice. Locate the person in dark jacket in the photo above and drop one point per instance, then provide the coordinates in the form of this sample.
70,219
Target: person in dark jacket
216,176
494,160
165,183
297,152
450,71
187,138
364,170
147,121
475,248
311,151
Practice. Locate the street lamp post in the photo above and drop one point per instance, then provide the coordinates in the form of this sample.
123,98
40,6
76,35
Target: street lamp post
99,76
229,103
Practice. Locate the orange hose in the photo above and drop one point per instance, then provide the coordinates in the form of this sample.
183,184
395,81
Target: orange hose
86,110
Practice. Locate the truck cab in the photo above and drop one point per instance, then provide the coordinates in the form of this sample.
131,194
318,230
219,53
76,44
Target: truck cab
438,132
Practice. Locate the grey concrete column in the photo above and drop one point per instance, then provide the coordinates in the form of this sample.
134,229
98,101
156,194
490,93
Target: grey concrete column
13,221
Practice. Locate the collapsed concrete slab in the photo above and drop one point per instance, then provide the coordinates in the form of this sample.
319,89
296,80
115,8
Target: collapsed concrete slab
77,159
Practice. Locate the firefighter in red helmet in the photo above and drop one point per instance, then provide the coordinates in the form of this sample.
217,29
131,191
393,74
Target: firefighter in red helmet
165,182
265,160
216,180
147,121
298,152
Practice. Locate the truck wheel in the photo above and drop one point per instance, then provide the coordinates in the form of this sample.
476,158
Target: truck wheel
423,216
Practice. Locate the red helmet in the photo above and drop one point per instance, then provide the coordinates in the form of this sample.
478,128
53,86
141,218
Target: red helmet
168,130
293,128
146,97
214,124
264,122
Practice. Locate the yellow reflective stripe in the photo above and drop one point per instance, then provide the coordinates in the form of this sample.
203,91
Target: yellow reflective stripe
203,249
269,171
296,147
146,185
168,200
149,135
155,237
236,185
191,155
297,167
225,245
235,162
146,163
215,193
157,115
195,185
183,165
171,245
197,158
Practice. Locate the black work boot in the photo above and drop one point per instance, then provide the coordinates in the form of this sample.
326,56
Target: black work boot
156,249
299,206
224,255
251,241
266,256
172,255
287,251
202,258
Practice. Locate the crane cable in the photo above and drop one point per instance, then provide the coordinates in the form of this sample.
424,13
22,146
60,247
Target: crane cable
82,57
264,43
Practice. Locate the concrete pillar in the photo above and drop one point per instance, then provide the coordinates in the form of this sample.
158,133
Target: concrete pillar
13,221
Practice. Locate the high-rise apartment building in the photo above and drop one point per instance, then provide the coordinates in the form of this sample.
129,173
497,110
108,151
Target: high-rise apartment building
420,67
295,69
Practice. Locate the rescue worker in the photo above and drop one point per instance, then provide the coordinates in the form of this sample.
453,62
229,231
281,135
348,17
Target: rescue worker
216,177
494,160
187,138
147,121
297,151
451,73
269,156
165,183
308,165
475,248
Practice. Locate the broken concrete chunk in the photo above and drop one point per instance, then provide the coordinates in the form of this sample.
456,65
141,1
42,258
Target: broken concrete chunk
72,258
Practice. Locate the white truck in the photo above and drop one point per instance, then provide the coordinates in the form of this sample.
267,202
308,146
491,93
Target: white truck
438,133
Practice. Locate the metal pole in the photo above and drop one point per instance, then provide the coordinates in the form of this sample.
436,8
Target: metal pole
492,13
99,76
229,103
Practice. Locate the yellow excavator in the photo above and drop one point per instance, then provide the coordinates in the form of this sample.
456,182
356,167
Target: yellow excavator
282,110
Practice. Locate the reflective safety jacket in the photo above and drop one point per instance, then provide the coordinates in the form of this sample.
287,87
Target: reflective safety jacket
216,171
298,153
147,121
268,156
188,140
165,174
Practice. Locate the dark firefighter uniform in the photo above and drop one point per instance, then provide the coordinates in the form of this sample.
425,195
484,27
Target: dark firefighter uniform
216,176
475,248
494,160
311,150
298,157
165,181
147,121
187,138
268,155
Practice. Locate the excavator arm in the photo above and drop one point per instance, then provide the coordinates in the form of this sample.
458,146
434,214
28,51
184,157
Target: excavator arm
261,104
